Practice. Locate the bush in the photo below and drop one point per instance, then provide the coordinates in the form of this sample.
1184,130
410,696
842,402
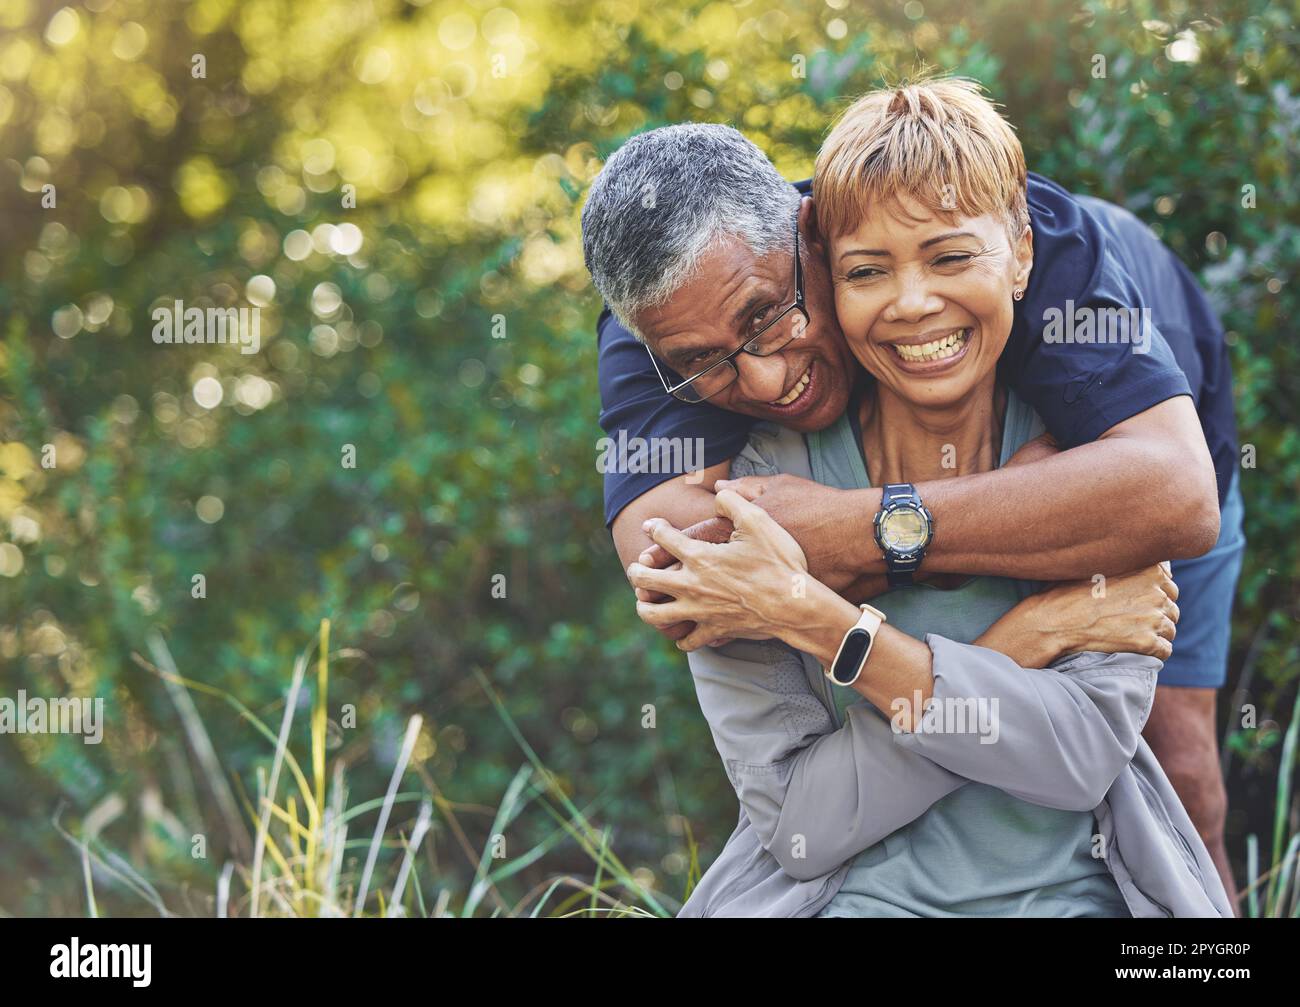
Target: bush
399,196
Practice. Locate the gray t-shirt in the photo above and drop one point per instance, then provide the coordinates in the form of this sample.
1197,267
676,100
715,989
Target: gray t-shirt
979,851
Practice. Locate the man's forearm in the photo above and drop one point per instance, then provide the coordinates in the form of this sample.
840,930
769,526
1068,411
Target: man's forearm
1143,493
1048,520
1114,505
678,501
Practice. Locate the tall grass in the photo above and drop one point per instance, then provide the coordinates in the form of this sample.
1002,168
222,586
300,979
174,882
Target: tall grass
1276,892
294,862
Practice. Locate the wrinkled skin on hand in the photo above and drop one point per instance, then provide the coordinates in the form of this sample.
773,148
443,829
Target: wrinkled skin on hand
740,588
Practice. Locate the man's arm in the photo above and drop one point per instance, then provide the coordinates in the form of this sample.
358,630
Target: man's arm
1143,492
682,503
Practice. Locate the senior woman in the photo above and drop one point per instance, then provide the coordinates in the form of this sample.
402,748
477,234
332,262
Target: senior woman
1018,810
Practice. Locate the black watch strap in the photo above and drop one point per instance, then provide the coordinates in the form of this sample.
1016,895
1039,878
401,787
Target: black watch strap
900,572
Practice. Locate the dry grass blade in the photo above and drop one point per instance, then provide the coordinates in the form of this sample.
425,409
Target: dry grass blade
417,837
408,746
223,889
200,742
264,822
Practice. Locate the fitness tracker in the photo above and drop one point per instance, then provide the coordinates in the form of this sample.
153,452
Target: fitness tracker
855,648
904,528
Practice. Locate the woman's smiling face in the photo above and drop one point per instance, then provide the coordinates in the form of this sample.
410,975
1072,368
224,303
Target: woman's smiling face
926,301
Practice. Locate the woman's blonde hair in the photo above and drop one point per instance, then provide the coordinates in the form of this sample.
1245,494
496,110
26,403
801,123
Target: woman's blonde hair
936,139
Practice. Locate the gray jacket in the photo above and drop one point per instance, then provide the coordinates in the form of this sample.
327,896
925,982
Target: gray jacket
814,793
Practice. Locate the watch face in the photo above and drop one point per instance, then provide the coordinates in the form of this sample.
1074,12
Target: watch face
903,530
851,655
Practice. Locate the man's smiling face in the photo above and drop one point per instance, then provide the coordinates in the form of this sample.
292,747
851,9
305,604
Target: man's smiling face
731,296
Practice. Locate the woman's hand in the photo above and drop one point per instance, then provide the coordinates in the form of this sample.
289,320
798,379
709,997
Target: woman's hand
1132,614
747,587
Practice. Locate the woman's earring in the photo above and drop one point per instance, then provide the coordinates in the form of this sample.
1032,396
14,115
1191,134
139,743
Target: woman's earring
1017,293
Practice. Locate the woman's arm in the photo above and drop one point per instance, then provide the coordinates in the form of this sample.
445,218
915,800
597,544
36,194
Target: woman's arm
817,795
1060,736
756,586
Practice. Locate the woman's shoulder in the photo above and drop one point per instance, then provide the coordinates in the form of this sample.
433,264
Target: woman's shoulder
1020,426
772,450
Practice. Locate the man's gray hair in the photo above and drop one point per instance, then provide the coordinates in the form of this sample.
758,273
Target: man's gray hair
665,197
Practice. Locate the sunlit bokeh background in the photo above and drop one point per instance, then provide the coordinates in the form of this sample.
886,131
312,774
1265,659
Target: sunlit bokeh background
396,184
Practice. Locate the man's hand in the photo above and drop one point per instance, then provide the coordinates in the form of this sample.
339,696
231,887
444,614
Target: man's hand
656,557
822,520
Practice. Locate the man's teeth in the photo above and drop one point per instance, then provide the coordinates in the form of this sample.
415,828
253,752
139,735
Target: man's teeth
939,349
794,392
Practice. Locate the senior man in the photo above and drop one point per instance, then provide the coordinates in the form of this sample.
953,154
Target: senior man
690,235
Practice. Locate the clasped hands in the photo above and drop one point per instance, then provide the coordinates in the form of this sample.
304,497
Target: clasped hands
707,592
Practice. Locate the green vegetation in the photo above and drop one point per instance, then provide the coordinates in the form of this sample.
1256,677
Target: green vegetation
398,193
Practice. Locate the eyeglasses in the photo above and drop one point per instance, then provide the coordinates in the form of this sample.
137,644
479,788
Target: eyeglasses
773,337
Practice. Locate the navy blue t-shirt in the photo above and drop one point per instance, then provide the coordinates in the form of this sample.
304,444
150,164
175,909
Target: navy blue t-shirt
1087,254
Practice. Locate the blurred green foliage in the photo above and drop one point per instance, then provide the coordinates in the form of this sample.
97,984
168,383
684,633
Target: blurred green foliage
397,185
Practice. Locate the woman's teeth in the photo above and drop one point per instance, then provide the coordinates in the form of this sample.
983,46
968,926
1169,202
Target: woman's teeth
939,349
796,391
